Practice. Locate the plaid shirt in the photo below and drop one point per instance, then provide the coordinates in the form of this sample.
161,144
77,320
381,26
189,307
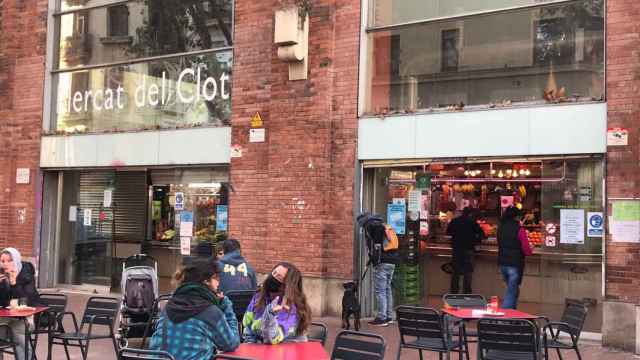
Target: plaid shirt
199,337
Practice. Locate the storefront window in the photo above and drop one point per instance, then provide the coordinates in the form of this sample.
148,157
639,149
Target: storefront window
536,55
173,93
557,197
126,66
109,215
139,29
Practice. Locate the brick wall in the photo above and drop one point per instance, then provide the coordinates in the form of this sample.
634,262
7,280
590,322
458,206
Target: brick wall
22,49
293,194
623,172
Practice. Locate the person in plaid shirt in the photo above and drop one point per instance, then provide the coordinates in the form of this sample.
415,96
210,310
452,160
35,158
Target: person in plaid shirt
197,321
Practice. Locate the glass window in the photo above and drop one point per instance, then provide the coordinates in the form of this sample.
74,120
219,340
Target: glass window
531,56
389,12
118,21
180,92
140,29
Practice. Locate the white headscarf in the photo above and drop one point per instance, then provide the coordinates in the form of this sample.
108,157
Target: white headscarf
16,257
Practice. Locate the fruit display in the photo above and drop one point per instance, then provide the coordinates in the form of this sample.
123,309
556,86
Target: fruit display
489,230
535,238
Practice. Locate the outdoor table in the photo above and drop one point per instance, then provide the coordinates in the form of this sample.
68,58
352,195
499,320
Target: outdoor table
287,351
473,314
23,314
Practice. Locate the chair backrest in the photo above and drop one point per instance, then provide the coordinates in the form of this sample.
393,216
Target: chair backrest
473,301
138,354
352,345
101,306
57,304
574,314
420,322
241,300
507,335
317,332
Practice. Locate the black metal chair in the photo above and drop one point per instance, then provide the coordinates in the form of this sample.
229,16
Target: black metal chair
317,332
139,354
7,345
230,357
241,300
467,301
507,339
428,328
99,311
47,322
571,323
156,310
352,345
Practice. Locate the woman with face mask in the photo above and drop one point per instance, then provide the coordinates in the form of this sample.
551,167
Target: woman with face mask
17,281
198,320
279,311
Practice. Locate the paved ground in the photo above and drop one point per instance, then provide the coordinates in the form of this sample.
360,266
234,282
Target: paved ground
102,349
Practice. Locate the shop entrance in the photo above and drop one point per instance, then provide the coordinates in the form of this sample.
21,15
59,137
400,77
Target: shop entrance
556,196
105,216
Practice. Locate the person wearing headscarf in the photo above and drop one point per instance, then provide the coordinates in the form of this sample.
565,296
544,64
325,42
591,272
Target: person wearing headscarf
17,281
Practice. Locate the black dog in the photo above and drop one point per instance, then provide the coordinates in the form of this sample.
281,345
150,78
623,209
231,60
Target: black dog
350,305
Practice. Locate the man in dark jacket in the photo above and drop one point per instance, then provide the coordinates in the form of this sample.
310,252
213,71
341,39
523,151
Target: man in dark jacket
236,273
465,235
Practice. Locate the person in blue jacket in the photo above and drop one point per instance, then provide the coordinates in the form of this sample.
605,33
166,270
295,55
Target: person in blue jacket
236,273
198,320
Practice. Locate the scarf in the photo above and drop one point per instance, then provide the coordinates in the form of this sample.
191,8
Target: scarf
189,300
15,256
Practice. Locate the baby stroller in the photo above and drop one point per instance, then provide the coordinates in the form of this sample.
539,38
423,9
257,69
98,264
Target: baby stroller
139,288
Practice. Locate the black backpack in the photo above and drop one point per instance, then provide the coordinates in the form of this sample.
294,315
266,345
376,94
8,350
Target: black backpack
374,235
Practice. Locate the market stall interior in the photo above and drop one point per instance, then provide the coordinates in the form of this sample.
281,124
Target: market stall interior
556,197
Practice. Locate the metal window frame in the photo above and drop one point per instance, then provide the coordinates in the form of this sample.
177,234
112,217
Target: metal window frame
372,28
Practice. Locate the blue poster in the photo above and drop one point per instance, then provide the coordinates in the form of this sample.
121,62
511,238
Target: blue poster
222,217
186,217
396,217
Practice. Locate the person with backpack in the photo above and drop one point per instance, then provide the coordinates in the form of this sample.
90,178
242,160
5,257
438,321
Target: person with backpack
513,247
236,273
198,320
382,243
465,235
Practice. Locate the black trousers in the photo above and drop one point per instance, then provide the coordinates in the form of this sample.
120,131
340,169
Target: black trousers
466,283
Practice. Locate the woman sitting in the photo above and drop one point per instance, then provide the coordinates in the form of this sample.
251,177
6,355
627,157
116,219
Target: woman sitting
197,321
279,311
17,281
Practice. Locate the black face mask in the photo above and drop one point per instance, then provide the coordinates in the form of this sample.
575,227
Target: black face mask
272,285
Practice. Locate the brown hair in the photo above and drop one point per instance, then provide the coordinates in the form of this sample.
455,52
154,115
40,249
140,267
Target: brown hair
294,295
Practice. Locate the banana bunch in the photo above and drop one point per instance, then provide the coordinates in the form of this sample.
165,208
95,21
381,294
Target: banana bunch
523,191
169,234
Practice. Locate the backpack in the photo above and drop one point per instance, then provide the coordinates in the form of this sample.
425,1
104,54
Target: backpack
379,237
139,295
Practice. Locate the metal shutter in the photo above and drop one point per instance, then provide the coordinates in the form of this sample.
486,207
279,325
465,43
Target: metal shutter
130,206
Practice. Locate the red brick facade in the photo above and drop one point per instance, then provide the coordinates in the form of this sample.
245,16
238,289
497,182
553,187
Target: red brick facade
22,69
623,171
293,194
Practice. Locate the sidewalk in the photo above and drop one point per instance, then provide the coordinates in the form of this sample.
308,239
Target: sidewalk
102,349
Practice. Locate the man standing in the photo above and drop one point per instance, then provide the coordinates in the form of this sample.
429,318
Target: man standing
382,275
465,235
236,273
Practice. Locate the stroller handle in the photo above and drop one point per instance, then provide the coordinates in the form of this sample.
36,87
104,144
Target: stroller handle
139,259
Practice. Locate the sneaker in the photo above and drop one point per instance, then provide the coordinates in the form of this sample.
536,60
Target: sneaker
389,321
379,322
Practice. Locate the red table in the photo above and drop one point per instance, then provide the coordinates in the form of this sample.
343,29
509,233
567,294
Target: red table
311,350
23,314
467,314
